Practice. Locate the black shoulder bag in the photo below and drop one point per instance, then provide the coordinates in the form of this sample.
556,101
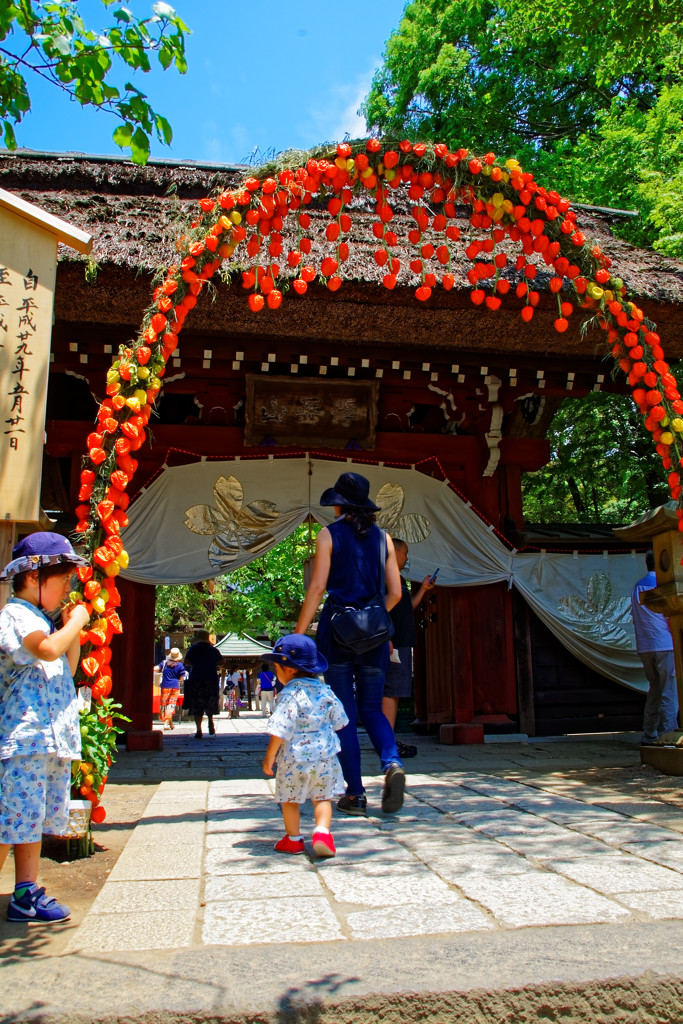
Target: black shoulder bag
365,628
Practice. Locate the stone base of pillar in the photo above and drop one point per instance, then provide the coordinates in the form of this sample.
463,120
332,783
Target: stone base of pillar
144,739
468,732
668,760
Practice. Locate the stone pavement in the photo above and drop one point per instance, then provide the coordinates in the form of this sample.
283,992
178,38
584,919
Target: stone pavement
505,855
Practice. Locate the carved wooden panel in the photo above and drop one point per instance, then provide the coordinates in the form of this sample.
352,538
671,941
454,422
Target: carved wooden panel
290,411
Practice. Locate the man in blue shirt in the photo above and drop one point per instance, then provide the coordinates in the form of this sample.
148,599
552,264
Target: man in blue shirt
266,681
655,648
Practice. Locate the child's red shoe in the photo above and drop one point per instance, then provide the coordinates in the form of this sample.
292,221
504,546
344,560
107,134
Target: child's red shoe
323,844
287,845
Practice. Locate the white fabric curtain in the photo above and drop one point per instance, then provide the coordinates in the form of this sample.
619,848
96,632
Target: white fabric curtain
200,520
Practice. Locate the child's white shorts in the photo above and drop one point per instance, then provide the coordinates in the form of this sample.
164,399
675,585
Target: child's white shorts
299,781
34,797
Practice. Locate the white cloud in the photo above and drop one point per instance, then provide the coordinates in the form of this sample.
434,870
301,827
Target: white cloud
339,115
350,121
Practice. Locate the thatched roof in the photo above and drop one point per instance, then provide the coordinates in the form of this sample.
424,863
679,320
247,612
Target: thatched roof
136,213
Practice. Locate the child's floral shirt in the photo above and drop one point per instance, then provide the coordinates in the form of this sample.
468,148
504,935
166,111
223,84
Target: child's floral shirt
307,717
38,704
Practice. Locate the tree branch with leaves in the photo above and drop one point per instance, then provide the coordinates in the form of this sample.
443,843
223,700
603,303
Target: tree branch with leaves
51,41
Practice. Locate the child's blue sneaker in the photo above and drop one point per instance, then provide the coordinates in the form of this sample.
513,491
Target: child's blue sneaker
34,905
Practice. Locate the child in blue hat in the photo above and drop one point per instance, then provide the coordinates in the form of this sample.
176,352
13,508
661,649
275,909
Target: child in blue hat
39,722
303,737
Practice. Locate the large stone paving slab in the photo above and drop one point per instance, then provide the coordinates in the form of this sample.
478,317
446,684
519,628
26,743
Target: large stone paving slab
236,843
138,861
442,833
618,833
254,857
148,897
612,875
243,922
500,822
561,809
240,821
243,806
668,854
240,787
453,869
371,850
660,905
519,901
224,888
152,832
371,885
454,916
542,845
108,933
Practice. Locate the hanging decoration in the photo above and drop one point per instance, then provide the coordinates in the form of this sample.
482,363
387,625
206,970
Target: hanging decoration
246,222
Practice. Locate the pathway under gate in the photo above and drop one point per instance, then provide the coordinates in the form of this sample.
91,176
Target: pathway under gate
518,875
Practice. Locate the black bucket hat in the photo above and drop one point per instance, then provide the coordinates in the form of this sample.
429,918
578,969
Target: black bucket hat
350,491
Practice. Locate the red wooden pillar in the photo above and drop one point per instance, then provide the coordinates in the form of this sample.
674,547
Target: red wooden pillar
132,663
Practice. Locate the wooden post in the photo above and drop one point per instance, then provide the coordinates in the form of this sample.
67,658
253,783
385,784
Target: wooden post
524,664
133,664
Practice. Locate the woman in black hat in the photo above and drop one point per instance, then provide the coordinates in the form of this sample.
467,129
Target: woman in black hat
349,556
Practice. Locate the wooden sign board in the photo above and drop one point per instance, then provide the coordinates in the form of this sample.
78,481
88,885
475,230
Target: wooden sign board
28,266
28,262
333,413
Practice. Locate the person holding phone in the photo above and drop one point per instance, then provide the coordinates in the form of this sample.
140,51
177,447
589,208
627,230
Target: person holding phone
399,678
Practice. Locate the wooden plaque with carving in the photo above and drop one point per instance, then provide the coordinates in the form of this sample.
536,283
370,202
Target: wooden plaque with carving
303,412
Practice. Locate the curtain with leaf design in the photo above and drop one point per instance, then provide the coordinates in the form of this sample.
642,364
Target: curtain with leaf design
200,520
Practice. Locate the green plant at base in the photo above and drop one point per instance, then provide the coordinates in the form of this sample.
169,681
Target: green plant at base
98,749
89,773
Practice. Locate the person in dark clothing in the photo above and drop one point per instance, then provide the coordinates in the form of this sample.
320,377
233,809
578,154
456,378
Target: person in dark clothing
349,555
400,673
202,686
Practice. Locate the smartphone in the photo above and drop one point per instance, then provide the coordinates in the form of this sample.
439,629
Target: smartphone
432,578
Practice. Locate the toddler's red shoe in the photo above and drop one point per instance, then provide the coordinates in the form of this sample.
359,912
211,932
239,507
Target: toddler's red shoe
323,844
287,845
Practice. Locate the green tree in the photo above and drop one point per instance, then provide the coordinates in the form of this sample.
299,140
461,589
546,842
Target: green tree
262,598
603,467
52,41
588,98
482,73
179,607
633,160
628,41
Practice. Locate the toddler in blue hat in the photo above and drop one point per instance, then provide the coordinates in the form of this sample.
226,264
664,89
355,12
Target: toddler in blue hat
304,743
39,723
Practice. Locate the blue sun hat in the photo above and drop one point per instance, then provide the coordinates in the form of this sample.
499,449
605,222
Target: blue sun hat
298,651
40,549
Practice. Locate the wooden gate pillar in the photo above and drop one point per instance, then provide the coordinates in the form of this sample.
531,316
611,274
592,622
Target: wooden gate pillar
132,664
469,662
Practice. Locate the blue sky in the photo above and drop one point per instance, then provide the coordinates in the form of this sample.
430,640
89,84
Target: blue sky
263,75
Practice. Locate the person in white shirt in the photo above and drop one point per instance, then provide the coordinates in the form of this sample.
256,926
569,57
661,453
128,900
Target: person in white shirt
655,647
